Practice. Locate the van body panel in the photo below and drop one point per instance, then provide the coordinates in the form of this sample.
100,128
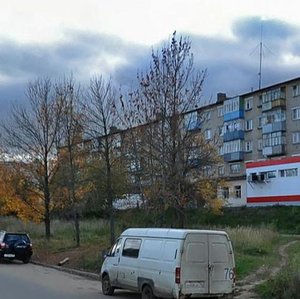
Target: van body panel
173,262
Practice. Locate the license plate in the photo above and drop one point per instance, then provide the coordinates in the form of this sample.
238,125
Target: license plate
9,255
194,285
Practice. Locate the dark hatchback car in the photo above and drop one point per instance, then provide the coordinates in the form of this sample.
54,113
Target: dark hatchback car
15,246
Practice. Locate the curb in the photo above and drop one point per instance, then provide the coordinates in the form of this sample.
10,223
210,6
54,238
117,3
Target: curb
89,275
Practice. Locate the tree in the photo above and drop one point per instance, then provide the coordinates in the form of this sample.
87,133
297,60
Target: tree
163,104
101,126
71,130
31,136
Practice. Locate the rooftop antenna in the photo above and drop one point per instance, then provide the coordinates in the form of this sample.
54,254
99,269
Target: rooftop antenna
260,56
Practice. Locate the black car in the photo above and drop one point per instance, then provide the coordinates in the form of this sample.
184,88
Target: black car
15,246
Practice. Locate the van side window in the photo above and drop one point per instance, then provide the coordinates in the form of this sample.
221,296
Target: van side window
132,247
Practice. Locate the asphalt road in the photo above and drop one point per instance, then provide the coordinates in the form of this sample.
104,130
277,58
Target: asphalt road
36,282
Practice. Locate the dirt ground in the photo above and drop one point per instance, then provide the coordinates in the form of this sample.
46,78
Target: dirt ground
245,287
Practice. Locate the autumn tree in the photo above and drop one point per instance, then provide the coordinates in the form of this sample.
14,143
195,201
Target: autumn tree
31,135
101,126
162,104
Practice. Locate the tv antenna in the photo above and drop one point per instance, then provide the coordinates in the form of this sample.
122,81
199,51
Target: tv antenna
260,56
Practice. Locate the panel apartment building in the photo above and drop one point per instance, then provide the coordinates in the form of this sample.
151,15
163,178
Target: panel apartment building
259,136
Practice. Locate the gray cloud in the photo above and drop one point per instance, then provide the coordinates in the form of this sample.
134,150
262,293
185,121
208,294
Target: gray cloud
232,64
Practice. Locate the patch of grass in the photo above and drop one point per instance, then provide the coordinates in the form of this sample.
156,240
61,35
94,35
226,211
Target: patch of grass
286,284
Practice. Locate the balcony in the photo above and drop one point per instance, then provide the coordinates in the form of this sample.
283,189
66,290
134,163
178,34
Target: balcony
274,127
228,136
234,115
276,150
274,104
236,156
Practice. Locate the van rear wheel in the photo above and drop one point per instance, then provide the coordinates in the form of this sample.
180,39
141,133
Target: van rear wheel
107,289
147,292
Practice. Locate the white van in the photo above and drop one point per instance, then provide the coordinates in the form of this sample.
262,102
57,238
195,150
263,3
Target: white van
170,263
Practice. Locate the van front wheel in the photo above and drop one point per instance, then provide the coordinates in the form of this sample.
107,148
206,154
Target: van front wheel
147,293
107,289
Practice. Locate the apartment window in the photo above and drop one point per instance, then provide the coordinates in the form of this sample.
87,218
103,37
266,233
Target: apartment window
207,171
221,170
296,137
273,95
232,146
248,103
260,119
259,144
288,172
207,134
132,247
273,139
248,146
225,192
296,113
248,125
296,90
238,191
221,131
220,111
235,168
232,105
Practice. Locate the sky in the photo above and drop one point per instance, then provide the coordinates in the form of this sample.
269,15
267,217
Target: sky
114,38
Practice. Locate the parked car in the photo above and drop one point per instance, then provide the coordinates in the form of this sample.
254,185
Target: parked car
171,263
15,246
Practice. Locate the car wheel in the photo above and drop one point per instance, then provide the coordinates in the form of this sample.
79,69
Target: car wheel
107,289
147,292
26,260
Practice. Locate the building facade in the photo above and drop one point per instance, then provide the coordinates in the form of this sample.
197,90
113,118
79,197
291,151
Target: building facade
261,126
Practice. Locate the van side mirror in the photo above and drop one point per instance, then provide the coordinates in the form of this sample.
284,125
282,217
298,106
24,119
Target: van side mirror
105,253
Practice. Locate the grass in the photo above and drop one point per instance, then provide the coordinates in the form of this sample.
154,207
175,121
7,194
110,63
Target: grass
286,284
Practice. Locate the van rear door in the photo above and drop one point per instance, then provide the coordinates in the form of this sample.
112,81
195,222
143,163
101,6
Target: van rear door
207,265
221,264
194,265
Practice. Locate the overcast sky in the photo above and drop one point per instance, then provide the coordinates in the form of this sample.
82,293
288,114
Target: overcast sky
114,38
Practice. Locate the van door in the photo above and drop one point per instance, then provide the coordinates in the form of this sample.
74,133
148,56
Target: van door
112,260
221,264
194,265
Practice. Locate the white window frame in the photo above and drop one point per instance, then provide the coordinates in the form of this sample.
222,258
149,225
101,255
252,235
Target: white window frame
248,103
296,113
248,146
248,125
296,137
296,90
207,134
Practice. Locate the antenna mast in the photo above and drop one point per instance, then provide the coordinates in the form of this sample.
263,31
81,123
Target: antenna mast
260,56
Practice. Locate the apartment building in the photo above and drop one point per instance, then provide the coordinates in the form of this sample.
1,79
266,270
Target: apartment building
259,129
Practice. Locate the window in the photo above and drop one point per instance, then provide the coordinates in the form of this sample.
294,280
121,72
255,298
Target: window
132,247
260,119
221,130
115,249
206,115
225,192
221,170
259,144
207,134
271,174
248,125
272,95
288,172
220,111
238,191
296,90
235,168
248,146
232,146
231,105
296,113
248,103
273,139
296,137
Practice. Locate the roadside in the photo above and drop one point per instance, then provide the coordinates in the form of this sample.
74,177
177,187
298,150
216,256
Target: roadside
245,287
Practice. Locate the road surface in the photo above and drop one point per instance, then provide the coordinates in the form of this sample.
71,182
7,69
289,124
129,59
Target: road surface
29,281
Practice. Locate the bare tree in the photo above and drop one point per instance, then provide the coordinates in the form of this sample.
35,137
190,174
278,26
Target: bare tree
167,93
71,129
101,126
31,136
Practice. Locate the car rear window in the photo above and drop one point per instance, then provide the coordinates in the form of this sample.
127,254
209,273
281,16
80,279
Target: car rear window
16,237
